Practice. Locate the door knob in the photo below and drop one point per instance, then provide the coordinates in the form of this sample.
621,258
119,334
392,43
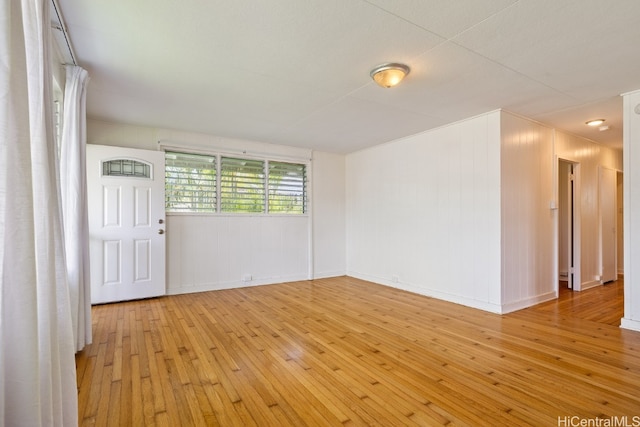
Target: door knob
161,231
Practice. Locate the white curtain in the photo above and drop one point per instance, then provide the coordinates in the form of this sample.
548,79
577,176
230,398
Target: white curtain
73,181
37,365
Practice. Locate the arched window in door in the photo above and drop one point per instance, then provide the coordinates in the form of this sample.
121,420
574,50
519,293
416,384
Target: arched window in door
126,167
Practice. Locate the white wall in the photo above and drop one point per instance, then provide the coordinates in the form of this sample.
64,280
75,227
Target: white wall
631,149
423,213
206,252
590,157
329,216
528,224
466,213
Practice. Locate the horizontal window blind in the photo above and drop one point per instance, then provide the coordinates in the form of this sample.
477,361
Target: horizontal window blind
190,182
242,185
215,183
287,188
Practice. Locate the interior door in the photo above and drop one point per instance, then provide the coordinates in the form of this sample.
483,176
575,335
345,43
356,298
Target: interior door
564,230
569,223
571,226
126,223
608,237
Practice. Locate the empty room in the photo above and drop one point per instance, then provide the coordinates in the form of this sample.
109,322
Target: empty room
286,213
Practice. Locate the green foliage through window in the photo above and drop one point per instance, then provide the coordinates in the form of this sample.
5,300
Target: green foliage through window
241,185
287,188
195,184
190,182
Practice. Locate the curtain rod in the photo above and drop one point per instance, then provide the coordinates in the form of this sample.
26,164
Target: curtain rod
62,28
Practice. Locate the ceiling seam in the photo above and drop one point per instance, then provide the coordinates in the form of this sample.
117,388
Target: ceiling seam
452,40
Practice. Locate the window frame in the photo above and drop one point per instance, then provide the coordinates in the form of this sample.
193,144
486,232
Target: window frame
266,159
215,191
278,198
233,184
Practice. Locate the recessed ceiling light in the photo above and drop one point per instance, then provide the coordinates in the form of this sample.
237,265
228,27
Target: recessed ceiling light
389,74
595,122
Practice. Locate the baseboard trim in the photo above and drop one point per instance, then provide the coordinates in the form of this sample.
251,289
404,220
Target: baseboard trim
329,274
417,289
633,325
528,302
206,287
589,285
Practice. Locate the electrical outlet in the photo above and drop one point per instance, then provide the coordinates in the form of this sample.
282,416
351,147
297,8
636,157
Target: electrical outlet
247,278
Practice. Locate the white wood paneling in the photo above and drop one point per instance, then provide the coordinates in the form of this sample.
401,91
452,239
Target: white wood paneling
528,223
631,193
607,221
208,252
329,216
423,213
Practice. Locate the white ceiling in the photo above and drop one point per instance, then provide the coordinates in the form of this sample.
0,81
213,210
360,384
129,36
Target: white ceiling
297,72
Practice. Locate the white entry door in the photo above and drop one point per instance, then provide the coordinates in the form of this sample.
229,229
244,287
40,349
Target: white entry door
126,223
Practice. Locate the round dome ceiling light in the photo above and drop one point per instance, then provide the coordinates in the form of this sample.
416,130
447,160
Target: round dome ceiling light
595,122
389,74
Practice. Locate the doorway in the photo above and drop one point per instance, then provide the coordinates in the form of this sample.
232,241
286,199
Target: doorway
126,223
569,224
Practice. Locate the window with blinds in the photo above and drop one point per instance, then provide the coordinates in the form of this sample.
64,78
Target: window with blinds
242,185
217,183
190,182
287,188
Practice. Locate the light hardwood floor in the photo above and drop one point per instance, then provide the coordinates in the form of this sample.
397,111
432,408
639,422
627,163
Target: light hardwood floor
342,351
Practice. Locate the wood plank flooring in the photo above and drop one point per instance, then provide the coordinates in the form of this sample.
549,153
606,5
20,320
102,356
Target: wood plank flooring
343,351
603,304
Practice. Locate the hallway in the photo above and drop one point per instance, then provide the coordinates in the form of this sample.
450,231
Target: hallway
602,304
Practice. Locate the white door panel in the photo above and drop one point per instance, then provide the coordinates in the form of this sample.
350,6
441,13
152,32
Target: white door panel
126,222
608,236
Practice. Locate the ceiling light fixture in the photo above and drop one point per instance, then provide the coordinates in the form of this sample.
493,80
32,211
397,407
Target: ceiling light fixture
389,74
595,122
